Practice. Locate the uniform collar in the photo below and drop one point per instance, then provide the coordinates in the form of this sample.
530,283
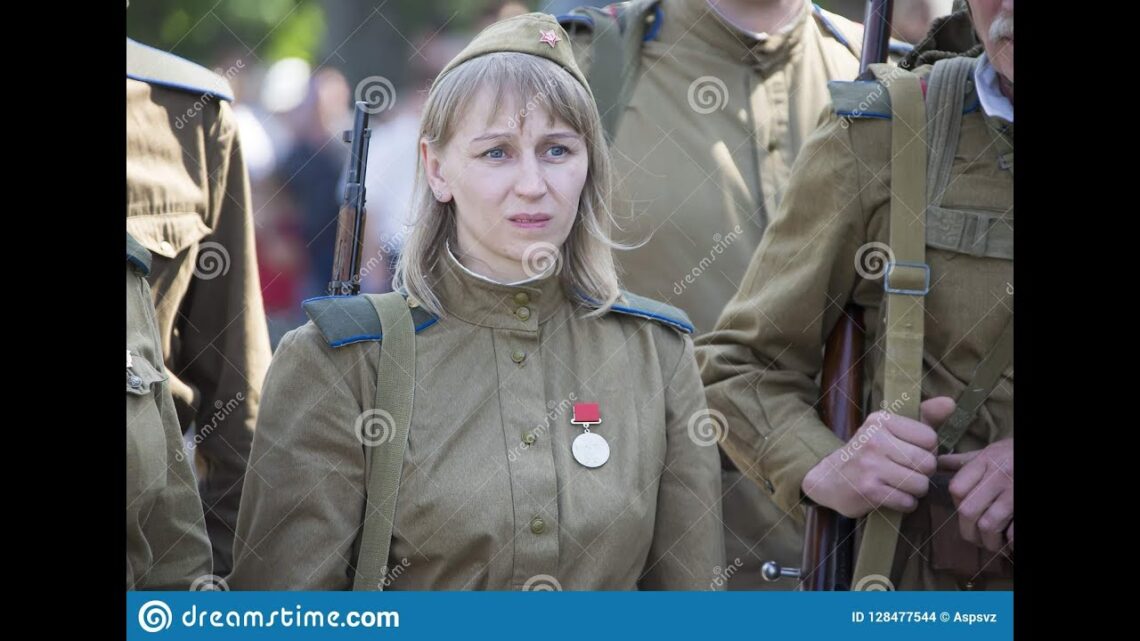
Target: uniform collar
994,102
700,20
481,301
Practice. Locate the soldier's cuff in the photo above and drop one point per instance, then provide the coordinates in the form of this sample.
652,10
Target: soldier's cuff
805,452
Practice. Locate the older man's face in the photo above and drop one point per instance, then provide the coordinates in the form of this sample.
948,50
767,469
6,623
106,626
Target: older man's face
993,20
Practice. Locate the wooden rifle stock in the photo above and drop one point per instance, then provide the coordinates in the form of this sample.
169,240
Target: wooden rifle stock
829,541
829,537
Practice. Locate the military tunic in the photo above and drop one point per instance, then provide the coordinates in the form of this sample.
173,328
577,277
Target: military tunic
188,203
761,362
491,496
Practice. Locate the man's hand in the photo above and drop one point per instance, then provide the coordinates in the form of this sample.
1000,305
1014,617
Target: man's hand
887,463
982,489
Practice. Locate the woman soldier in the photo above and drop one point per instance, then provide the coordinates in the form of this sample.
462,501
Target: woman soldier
557,434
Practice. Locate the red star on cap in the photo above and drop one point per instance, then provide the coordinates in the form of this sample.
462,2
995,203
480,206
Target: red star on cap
550,37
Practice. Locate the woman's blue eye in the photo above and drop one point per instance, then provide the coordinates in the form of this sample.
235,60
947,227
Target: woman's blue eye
495,154
561,149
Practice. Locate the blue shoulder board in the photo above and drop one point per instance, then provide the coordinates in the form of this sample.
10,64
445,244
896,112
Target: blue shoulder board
138,255
154,66
642,307
860,98
344,320
870,98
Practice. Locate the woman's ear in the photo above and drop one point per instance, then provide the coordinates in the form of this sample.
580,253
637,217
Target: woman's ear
435,177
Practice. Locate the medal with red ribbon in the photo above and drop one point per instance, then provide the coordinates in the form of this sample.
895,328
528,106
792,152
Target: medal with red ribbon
589,449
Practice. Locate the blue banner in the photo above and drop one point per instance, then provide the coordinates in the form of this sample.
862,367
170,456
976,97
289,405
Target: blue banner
577,616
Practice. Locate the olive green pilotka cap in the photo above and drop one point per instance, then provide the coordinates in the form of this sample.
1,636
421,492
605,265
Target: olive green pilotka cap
538,34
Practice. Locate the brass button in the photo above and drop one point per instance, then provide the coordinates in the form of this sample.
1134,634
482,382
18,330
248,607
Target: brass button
523,313
530,438
518,356
522,298
537,525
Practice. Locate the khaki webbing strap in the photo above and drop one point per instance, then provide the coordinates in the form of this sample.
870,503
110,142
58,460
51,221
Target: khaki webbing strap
384,459
982,383
906,281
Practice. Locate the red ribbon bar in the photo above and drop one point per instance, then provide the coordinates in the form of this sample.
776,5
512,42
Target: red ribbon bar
586,414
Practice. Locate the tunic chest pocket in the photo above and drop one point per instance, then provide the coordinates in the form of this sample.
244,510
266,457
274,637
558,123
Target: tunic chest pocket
168,235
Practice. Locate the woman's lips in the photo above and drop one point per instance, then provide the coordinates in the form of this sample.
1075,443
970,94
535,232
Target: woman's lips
530,221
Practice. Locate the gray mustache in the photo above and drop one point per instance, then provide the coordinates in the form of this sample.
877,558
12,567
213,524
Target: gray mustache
1002,27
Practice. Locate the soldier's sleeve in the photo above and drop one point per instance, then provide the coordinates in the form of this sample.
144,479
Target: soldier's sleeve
303,500
760,363
225,342
174,528
688,537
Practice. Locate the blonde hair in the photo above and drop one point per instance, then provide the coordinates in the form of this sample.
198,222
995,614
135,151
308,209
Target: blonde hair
588,272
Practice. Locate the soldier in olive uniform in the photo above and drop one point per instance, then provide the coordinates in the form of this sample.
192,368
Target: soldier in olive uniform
188,203
760,363
167,546
524,341
721,98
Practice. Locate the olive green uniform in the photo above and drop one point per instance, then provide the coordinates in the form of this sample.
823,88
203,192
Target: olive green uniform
188,203
490,496
702,155
761,362
167,546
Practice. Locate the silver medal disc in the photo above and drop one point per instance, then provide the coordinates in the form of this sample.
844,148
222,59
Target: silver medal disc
591,449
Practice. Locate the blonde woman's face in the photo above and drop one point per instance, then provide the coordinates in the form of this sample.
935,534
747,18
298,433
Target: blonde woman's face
516,178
